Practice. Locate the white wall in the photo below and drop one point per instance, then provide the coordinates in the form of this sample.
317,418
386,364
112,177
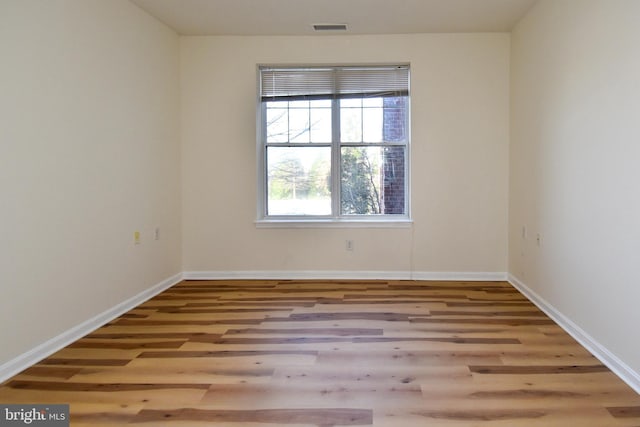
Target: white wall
460,114
89,153
575,134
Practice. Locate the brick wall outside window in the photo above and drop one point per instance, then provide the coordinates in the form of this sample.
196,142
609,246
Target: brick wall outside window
393,173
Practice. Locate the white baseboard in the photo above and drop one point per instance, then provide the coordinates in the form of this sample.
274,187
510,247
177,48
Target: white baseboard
36,354
345,275
621,369
293,275
477,276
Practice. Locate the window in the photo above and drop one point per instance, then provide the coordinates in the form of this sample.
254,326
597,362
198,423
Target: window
334,143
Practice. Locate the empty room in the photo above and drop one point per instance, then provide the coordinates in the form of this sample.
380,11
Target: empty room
250,213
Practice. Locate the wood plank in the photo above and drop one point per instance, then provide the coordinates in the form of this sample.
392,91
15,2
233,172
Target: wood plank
157,335
70,386
342,332
84,362
187,374
625,411
125,345
224,353
49,372
311,416
478,320
537,370
308,394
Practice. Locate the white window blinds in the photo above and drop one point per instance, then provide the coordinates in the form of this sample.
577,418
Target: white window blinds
280,84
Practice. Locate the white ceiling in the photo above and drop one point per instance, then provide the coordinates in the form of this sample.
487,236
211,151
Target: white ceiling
296,17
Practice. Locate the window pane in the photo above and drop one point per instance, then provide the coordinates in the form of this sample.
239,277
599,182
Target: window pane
299,125
395,119
351,102
372,124
321,125
299,104
325,103
377,120
299,180
277,125
351,124
372,102
372,180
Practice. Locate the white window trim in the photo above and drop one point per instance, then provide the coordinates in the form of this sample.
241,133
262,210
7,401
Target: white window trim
334,223
303,221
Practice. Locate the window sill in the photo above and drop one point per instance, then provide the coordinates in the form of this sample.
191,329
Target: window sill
334,223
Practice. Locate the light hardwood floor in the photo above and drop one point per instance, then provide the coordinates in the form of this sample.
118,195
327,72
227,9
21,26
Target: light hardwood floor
331,353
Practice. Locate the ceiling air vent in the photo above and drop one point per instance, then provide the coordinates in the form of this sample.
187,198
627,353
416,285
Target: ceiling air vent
330,27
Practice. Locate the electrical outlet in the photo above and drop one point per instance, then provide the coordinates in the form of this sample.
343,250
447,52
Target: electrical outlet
156,233
538,239
136,237
349,245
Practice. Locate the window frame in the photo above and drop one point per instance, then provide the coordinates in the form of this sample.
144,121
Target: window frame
336,218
